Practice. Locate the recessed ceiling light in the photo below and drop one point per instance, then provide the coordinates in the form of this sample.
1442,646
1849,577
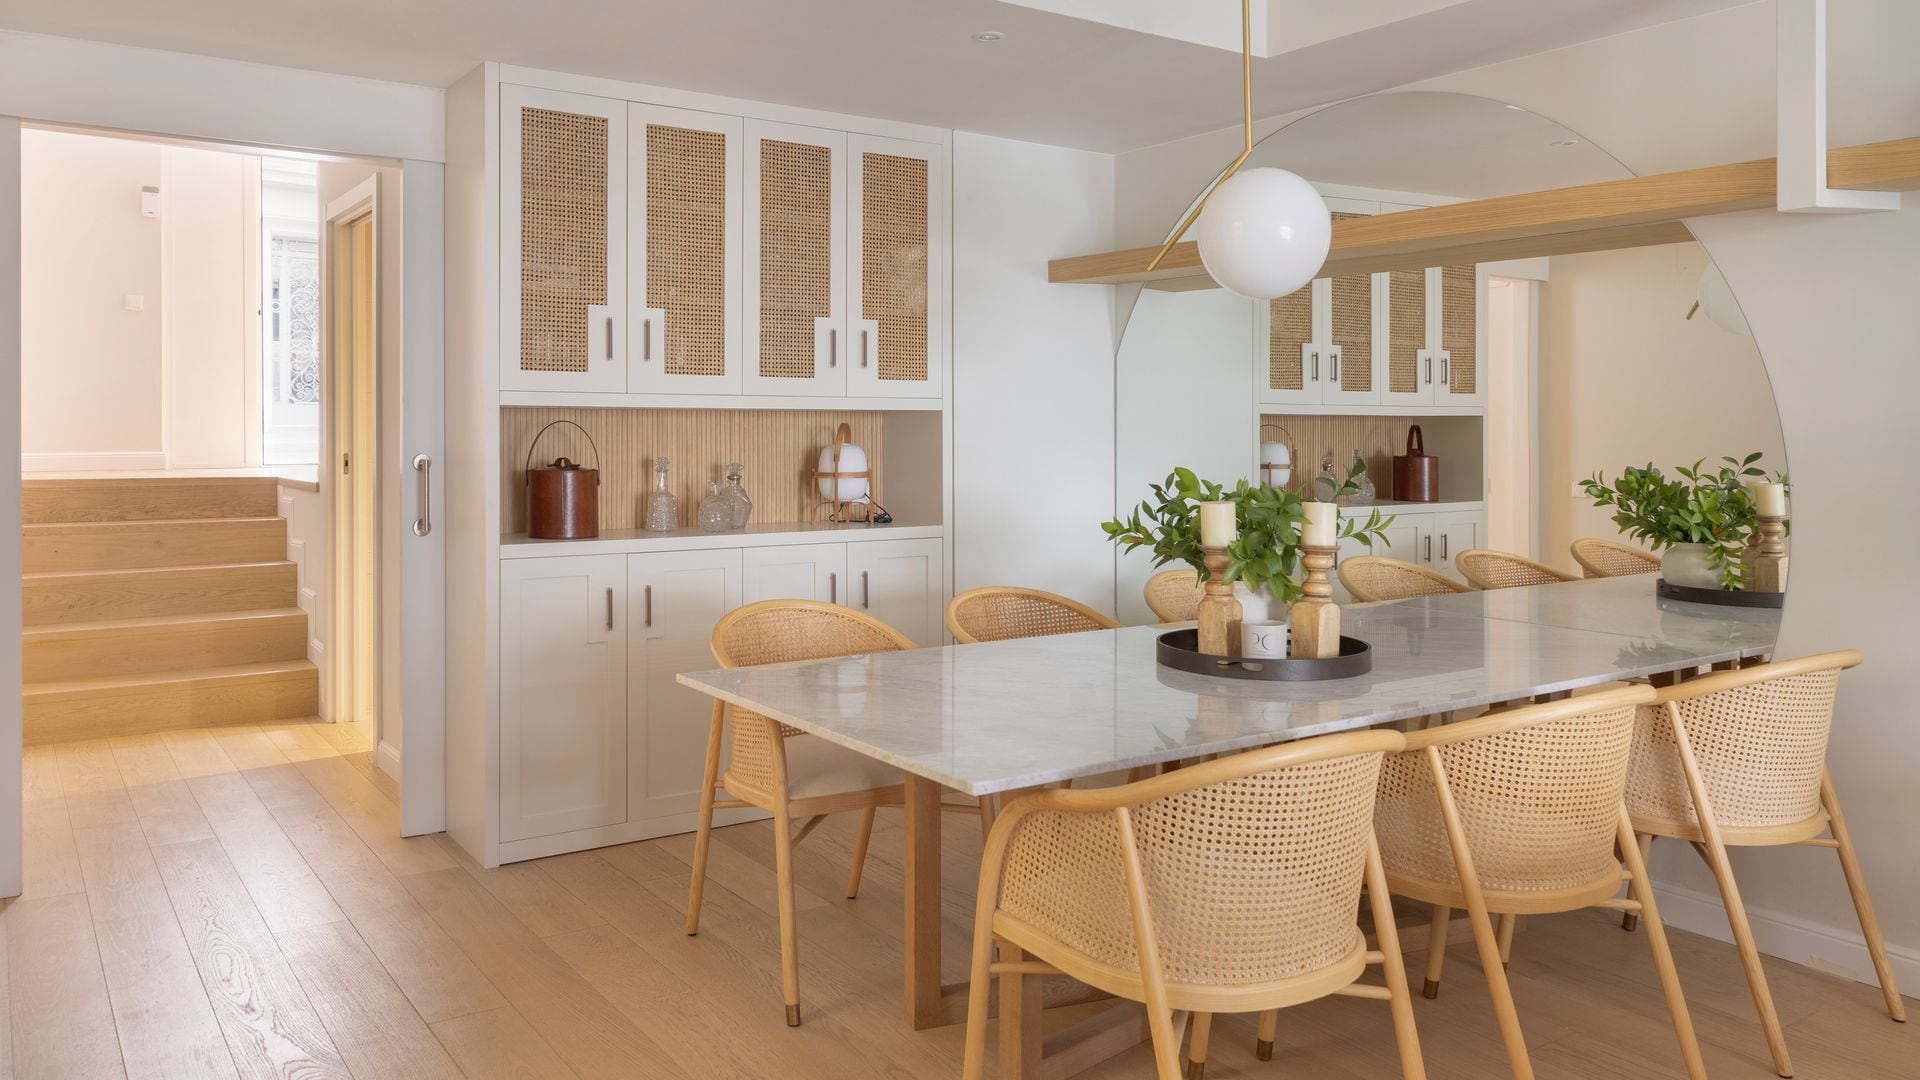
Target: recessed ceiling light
1564,142
1518,108
989,36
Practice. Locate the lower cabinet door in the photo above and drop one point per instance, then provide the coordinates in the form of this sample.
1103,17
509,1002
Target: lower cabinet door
674,599
899,583
563,694
799,572
1453,534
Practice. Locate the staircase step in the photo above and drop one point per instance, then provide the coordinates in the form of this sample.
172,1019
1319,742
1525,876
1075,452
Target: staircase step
142,704
164,643
148,498
57,547
102,595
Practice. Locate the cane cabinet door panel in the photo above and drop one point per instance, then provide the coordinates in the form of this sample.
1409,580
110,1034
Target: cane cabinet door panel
563,237
683,250
795,283
895,261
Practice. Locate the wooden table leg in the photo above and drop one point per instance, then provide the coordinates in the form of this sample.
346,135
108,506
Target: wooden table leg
921,945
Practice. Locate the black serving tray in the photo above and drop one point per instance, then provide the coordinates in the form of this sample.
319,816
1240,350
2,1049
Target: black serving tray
1180,649
1723,597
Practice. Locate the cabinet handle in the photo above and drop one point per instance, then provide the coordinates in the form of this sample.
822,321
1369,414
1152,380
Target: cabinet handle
1316,365
609,607
833,347
1443,547
1333,365
864,350
1429,369
866,591
646,339
609,337
833,588
648,614
1429,555
423,466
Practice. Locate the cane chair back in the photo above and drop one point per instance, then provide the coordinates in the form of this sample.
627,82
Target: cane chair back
1760,737
1489,569
782,631
1611,558
1539,793
1174,595
1002,612
1371,578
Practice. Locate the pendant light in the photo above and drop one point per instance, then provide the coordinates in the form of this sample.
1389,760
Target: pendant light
1263,233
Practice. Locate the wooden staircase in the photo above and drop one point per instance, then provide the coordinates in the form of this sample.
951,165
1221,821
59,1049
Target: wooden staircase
159,603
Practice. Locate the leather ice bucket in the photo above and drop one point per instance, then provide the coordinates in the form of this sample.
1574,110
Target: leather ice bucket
1416,473
563,499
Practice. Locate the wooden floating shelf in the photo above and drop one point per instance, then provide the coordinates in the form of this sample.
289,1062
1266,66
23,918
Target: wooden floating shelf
1638,212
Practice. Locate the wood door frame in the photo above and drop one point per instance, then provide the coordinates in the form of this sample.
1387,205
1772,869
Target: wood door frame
353,620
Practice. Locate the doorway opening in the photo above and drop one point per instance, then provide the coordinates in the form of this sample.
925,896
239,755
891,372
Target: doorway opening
352,304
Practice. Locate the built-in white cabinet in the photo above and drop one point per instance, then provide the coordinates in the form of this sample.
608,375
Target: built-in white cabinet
674,600
895,581
563,240
564,728
1432,540
1452,534
683,251
1434,336
794,572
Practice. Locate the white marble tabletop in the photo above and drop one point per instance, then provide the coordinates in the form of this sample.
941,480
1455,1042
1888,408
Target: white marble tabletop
1012,714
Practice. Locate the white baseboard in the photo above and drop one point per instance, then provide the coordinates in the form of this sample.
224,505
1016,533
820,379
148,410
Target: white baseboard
388,759
1822,948
64,462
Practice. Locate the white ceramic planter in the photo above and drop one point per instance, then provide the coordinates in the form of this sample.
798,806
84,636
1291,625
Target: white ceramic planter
1691,566
1257,606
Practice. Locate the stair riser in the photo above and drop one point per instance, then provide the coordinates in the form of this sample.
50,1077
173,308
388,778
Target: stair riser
168,706
175,647
142,593
134,500
132,545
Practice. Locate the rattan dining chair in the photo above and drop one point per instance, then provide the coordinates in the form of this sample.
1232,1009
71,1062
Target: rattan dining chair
1174,595
1227,887
1611,558
1370,578
1738,759
783,770
1486,568
1520,813
1000,612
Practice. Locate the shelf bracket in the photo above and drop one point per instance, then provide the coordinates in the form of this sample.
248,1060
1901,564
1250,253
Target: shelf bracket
1800,67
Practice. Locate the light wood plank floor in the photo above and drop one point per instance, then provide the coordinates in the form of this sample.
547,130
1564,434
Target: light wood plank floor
238,902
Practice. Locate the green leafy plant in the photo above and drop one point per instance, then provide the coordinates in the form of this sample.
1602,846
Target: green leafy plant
1702,506
1265,555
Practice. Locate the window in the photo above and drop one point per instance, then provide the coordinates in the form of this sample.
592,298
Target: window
290,313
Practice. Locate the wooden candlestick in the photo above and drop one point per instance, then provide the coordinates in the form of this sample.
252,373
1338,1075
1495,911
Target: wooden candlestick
1314,619
1219,612
1769,570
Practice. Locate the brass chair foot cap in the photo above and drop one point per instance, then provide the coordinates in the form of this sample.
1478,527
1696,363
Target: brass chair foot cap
1263,1049
1431,989
793,1016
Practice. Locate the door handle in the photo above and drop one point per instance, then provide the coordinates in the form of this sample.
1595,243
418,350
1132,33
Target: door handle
1333,365
609,337
646,339
1429,359
866,591
423,467
1446,367
1316,365
647,615
833,588
864,350
833,347
1429,555
1443,547
609,607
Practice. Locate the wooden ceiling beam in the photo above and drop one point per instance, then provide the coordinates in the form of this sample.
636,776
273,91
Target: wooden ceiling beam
1613,214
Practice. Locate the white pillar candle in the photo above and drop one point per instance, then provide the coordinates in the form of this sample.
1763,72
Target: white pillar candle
1769,499
1218,525
1322,527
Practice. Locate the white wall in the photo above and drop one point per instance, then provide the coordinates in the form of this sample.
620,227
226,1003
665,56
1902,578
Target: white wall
1033,370
10,613
210,322
306,518
1827,298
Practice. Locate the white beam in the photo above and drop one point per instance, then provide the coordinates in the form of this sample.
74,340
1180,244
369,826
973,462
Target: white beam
1800,36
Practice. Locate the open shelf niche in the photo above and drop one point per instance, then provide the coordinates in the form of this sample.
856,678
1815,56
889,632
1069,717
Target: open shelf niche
1458,441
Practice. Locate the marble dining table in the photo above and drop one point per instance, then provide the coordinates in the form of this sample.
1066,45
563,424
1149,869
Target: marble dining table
1002,716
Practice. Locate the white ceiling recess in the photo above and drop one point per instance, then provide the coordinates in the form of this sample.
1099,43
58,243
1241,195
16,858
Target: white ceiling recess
1053,78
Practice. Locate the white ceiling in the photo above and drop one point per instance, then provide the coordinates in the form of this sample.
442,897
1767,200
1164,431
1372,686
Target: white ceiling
1054,79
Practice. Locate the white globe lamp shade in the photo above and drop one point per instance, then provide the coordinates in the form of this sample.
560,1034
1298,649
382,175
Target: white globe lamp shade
1276,464
1264,233
850,488
1718,304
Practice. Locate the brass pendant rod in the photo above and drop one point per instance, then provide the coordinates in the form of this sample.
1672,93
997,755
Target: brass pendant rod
1246,125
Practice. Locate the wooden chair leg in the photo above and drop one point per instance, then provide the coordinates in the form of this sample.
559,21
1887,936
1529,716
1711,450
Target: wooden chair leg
1436,950
1504,933
703,835
1393,967
1640,887
1199,1033
1862,904
1269,1027
987,813
1020,1034
789,932
979,989
860,843
1628,920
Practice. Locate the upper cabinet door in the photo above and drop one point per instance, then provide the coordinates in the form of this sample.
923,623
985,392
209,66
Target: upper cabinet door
1461,326
795,260
563,235
683,251
1287,356
1406,370
895,261
1347,330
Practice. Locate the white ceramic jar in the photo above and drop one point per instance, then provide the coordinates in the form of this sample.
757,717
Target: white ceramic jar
1690,565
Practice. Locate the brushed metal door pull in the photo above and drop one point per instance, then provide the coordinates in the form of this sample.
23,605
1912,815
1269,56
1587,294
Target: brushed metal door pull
609,607
833,588
423,467
648,614
609,337
866,591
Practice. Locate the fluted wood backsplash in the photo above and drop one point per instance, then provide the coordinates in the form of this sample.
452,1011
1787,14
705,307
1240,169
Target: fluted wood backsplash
776,447
1456,439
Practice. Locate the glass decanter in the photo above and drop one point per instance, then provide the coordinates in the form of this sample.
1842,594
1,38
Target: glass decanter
716,511
1364,481
740,506
1326,486
663,510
